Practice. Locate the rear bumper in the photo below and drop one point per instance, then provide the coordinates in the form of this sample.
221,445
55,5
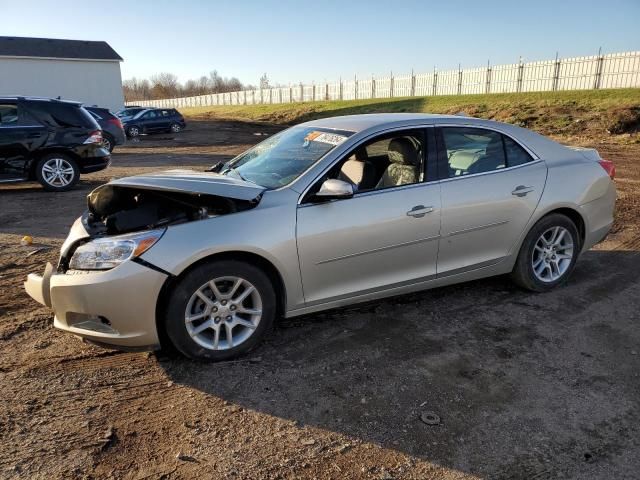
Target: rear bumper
88,165
598,215
115,307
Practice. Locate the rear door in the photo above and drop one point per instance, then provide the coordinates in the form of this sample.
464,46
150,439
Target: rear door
490,187
164,119
20,135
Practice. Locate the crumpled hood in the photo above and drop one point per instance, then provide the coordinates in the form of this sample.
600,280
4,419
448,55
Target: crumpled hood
190,181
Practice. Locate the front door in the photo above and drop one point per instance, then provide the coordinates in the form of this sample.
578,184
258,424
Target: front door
385,236
490,188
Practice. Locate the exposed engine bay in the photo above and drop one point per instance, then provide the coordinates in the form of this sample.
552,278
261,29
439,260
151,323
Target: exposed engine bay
116,209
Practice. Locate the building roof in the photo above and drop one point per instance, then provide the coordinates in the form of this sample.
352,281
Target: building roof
56,48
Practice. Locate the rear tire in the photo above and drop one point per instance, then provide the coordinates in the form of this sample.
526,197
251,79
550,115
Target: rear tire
548,254
199,321
108,142
175,128
57,172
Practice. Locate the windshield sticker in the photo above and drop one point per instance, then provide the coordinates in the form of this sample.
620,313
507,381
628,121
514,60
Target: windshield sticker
324,137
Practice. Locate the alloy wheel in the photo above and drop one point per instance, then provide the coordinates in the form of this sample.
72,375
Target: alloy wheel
552,254
58,172
175,128
223,313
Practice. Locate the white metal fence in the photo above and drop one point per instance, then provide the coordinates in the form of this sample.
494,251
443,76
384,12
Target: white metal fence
614,70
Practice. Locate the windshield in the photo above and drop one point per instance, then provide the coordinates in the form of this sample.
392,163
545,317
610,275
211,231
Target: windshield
284,157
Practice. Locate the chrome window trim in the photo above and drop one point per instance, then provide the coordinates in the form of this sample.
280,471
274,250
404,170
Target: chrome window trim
341,156
491,172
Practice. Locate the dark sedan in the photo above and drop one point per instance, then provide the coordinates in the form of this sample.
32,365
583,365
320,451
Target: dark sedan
154,120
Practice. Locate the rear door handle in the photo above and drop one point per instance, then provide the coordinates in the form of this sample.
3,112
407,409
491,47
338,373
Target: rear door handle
419,211
521,190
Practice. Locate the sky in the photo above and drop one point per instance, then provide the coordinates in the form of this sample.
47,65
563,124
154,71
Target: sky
323,40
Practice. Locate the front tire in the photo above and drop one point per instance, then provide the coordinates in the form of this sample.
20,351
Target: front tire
133,131
57,172
220,310
548,254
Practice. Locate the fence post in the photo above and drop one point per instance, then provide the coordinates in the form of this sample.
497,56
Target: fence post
391,85
373,87
556,73
413,83
313,92
355,87
599,66
326,91
489,73
520,75
459,79
435,81
341,92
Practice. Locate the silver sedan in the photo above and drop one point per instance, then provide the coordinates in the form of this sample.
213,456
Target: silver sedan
324,214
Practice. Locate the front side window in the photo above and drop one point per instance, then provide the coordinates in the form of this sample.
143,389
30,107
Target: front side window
476,150
282,158
8,115
387,161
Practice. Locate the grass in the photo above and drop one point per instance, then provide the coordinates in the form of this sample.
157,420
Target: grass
614,111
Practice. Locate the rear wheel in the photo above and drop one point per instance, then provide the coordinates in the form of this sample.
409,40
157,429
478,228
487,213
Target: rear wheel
548,254
175,127
108,142
57,172
220,310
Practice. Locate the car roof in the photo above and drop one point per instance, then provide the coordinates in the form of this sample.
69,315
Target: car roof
377,122
36,99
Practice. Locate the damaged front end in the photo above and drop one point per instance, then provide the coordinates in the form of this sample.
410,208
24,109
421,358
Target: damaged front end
148,202
151,203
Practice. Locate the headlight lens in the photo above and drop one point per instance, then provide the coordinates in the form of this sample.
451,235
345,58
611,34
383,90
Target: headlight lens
106,253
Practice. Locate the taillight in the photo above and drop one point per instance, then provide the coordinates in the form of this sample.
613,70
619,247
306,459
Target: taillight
116,122
609,167
94,137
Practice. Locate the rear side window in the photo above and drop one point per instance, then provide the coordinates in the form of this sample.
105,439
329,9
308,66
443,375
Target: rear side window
62,115
474,150
516,155
8,115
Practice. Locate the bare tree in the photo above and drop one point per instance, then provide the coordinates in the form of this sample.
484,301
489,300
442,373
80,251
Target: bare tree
264,82
166,85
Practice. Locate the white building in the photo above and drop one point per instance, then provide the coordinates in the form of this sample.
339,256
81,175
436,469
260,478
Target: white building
84,71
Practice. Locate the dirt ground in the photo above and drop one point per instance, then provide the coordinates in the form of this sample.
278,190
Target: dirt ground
525,386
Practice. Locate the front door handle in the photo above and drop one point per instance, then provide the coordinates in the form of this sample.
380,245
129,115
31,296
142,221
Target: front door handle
521,190
419,211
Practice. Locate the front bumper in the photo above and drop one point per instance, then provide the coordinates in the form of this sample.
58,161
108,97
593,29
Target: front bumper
115,307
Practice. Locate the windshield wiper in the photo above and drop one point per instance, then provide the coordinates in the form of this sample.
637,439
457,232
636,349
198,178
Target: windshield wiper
235,170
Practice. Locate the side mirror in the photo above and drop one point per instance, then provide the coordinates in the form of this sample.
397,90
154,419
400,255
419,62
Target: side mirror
333,189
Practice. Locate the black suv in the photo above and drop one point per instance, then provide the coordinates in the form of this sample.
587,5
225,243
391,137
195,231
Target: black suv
153,120
52,141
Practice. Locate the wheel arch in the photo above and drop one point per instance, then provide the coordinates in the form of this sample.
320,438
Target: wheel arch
248,257
47,151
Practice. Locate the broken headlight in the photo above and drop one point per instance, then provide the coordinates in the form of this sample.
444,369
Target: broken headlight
106,253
